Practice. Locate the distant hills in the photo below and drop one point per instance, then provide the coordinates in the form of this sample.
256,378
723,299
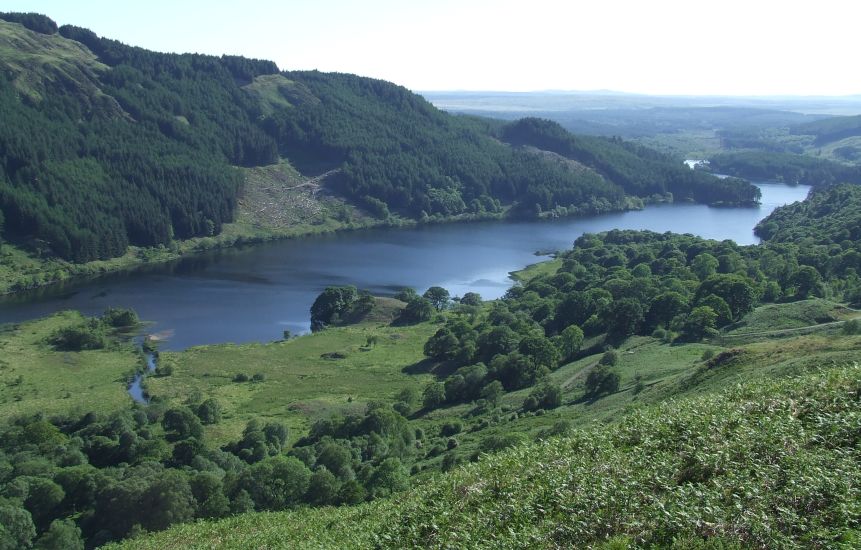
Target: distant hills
686,126
831,129
106,145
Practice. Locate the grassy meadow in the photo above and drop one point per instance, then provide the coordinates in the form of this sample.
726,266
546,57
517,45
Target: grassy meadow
34,378
304,378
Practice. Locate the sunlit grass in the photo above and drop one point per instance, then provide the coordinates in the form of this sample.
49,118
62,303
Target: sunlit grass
34,378
300,383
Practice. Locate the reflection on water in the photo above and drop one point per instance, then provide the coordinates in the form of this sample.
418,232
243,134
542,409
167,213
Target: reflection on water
255,293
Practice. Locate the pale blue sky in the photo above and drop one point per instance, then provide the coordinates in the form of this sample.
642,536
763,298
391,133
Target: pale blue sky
735,47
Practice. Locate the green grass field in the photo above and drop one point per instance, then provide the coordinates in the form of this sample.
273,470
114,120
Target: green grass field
789,316
36,379
547,267
300,385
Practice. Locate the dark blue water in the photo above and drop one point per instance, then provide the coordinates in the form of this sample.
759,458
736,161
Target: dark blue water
136,389
254,294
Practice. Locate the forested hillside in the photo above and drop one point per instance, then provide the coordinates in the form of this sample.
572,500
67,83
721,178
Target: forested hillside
639,170
154,139
786,167
829,220
88,178
830,129
401,154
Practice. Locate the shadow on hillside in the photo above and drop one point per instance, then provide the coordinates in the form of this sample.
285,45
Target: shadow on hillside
429,366
425,366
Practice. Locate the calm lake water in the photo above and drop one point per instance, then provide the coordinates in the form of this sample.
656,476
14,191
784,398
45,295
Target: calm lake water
255,293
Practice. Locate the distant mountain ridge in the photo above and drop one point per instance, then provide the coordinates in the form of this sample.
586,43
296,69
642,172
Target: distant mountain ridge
107,145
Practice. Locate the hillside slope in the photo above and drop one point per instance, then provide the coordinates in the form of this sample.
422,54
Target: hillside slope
765,466
830,216
638,170
830,129
156,138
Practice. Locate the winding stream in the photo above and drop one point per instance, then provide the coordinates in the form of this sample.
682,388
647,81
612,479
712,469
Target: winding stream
136,390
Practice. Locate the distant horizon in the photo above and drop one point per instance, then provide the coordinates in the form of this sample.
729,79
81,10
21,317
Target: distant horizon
621,92
667,48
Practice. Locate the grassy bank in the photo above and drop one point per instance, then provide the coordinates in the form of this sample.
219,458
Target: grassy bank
35,378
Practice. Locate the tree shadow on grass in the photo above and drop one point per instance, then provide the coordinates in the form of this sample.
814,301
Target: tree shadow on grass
429,366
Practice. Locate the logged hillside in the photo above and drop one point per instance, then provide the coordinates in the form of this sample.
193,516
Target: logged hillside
156,138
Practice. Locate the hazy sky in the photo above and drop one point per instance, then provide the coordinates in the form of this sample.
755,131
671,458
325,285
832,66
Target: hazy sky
750,47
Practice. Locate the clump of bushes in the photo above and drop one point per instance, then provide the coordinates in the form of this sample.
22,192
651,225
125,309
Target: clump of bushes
85,336
544,396
93,333
601,381
610,358
451,428
120,317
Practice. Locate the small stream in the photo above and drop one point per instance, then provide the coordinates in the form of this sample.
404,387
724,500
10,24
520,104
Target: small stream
136,390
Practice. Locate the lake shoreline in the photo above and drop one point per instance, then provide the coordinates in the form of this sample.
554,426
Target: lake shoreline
254,293
64,272
140,258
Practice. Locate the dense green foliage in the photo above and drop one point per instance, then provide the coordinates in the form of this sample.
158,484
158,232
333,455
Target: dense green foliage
638,170
93,333
787,167
400,154
764,465
36,22
331,305
106,477
155,178
826,228
830,216
623,283
154,135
